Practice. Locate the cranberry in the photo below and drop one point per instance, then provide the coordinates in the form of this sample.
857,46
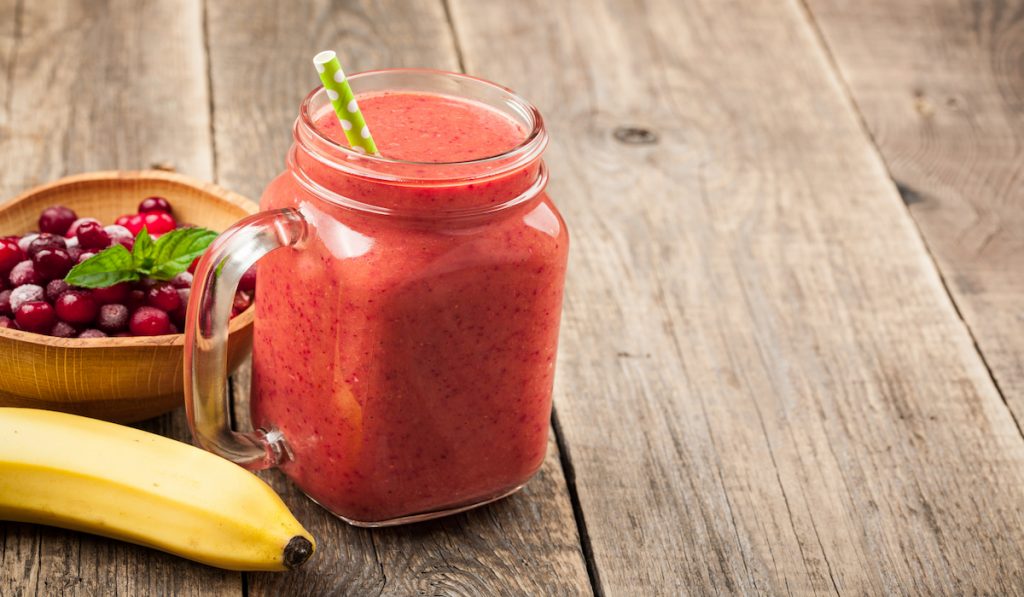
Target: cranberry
7,322
121,235
10,255
163,296
75,253
26,241
179,314
46,241
192,266
91,235
85,256
113,318
158,222
136,298
73,229
56,219
25,294
55,288
5,303
123,335
242,301
133,224
77,306
182,280
52,263
149,321
24,273
62,330
154,203
248,280
172,329
91,333
111,294
35,316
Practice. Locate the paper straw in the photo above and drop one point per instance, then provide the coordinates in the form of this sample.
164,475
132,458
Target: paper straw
344,102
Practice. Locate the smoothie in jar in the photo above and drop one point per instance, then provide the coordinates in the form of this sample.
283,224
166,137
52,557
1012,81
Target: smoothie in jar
406,350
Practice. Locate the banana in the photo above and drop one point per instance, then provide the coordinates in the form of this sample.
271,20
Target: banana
97,477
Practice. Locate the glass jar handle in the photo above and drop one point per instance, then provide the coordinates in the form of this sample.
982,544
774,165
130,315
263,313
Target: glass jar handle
206,334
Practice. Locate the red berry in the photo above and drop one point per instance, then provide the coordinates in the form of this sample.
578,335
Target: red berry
149,321
55,288
182,280
46,241
77,306
26,241
163,296
136,298
62,330
172,329
52,263
35,316
91,235
158,222
192,266
75,253
24,294
113,318
117,293
242,301
85,256
91,333
120,235
10,255
24,273
123,220
7,322
248,280
154,204
133,224
56,219
179,314
73,229
5,303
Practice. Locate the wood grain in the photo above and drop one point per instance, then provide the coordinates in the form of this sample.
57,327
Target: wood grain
940,86
763,385
526,544
76,99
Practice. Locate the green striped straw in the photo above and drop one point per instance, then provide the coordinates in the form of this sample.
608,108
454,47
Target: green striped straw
344,102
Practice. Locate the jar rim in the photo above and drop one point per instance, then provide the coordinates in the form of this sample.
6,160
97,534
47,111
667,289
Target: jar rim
528,149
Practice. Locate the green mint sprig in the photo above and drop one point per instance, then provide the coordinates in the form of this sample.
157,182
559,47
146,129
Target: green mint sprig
162,259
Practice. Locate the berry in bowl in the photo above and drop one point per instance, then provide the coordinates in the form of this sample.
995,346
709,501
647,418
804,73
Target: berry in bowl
95,276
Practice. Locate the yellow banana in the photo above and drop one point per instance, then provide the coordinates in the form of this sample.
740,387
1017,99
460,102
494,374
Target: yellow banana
97,477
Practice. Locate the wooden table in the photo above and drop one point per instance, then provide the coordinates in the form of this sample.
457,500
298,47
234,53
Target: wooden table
792,355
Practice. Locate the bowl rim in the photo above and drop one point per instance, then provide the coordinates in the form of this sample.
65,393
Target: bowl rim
242,320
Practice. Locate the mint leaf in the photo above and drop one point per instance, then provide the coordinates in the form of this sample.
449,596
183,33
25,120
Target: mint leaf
115,264
142,252
175,251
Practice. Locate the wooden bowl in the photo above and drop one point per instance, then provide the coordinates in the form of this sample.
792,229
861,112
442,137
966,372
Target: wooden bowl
117,379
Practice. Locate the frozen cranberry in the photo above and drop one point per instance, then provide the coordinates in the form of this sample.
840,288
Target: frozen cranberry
136,298
10,255
56,219
75,253
149,321
182,280
112,318
163,296
242,301
46,241
25,293
52,263
26,241
5,303
158,222
62,330
178,316
248,280
73,229
7,322
91,235
77,306
24,273
55,288
111,294
121,235
192,266
91,333
35,316
154,203
85,256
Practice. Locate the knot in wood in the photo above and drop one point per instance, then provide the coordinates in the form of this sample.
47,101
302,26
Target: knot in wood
634,135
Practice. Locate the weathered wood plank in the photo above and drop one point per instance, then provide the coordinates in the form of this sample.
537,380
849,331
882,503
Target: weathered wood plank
940,86
86,86
763,385
524,545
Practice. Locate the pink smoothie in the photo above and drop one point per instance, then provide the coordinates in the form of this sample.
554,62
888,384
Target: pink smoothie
409,360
